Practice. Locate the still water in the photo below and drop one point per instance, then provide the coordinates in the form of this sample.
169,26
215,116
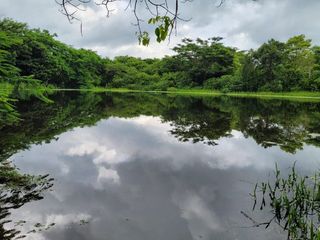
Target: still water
148,166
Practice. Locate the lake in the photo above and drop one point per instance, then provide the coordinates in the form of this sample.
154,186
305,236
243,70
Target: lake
149,166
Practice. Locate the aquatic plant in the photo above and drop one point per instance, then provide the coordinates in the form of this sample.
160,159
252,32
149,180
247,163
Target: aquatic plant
294,202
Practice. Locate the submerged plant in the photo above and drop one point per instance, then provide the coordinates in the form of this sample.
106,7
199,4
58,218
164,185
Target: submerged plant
294,202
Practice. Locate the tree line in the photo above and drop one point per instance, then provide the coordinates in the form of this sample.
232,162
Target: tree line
33,57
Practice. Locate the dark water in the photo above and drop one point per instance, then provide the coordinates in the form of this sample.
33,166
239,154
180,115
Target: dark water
141,167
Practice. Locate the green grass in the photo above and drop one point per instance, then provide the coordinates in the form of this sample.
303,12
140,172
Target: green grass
302,95
294,96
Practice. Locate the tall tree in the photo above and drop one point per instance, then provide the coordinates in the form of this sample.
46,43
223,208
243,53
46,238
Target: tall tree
203,59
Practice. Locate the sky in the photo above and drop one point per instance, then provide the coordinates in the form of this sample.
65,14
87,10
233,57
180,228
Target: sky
243,24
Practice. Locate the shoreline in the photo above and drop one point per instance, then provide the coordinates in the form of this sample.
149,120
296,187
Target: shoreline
200,92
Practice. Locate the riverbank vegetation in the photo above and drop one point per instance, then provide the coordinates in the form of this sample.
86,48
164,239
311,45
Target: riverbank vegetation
33,57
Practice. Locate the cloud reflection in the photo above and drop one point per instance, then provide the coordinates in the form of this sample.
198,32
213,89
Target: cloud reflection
133,180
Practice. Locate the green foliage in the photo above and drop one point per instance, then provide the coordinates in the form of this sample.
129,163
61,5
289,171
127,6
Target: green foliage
277,66
194,63
7,69
176,79
32,61
133,73
165,24
8,115
225,83
144,38
36,53
203,59
36,57
294,202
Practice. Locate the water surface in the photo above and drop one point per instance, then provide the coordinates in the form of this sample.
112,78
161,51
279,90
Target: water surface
150,166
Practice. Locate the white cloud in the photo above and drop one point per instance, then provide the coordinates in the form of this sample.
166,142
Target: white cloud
201,219
86,149
108,174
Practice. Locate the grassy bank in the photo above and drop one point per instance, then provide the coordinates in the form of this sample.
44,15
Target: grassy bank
305,96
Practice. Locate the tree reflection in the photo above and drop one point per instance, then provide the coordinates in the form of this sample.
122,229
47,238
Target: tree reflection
192,120
8,115
286,124
278,123
17,189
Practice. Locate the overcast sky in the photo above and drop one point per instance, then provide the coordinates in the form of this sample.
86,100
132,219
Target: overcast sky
242,23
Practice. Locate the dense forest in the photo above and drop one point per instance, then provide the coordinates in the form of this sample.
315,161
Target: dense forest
33,57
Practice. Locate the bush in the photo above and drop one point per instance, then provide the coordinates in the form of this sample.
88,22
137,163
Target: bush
224,83
177,79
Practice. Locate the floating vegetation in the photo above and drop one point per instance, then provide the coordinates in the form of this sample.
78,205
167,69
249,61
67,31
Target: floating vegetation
294,202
